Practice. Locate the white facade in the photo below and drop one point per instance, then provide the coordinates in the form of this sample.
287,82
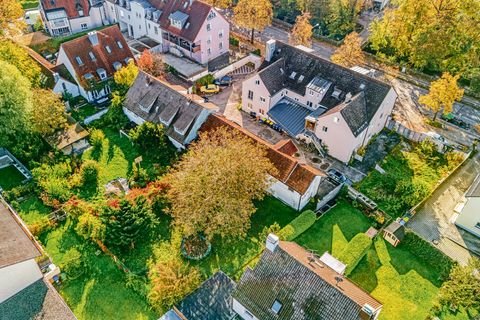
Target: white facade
64,86
291,197
16,277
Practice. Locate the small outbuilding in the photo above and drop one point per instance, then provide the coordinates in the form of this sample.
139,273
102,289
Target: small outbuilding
394,233
72,139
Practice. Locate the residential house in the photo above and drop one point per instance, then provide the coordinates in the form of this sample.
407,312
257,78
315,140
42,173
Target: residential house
293,183
182,114
24,293
212,301
394,233
184,28
66,17
91,60
307,96
469,211
290,282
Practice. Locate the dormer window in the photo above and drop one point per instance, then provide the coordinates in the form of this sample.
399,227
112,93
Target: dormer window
102,73
120,45
117,65
178,19
300,79
80,13
79,61
211,15
108,49
293,75
277,306
92,56
88,76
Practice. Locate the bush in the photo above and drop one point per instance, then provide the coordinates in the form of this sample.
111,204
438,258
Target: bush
234,42
96,139
89,172
72,263
90,227
355,251
298,225
40,227
54,181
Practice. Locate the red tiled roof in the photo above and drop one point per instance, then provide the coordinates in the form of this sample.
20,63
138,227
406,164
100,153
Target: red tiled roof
71,6
197,12
289,171
81,47
286,146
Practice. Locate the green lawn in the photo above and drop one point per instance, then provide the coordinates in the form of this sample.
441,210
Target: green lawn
81,113
335,229
406,284
29,4
32,210
100,292
10,178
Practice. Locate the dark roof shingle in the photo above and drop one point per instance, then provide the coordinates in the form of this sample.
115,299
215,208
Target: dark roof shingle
71,7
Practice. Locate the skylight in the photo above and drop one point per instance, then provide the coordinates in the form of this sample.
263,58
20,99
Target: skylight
277,306
119,44
293,74
92,56
79,60
108,49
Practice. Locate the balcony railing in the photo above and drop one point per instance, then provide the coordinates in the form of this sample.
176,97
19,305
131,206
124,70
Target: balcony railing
187,45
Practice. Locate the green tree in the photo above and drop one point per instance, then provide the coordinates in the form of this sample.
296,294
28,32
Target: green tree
462,289
18,56
151,138
253,14
15,104
213,187
350,53
342,17
442,94
302,30
90,227
127,222
125,77
50,114
11,13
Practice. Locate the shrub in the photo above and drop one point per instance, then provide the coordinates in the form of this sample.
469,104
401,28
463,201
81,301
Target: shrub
41,226
90,227
234,41
89,172
137,284
72,263
96,139
151,138
54,180
355,251
298,225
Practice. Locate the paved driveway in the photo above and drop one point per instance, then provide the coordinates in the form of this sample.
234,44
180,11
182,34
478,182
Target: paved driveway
435,220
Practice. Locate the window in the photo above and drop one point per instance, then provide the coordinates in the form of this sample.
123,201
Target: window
209,27
247,313
128,17
211,15
477,225
381,115
262,99
293,74
84,26
336,119
139,27
149,26
261,111
249,105
277,306
209,39
92,56
79,61
250,94
257,82
155,29
324,129
309,104
300,79
108,49
121,13
80,13
220,45
311,92
220,34
119,44
209,51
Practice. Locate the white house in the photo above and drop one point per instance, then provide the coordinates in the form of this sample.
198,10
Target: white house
182,114
469,215
293,183
305,95
184,28
91,60
65,17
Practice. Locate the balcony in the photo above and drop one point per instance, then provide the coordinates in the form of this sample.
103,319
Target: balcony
58,23
184,44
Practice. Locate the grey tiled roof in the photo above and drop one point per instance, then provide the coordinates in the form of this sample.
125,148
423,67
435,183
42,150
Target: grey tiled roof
212,300
306,290
355,114
165,102
286,59
38,301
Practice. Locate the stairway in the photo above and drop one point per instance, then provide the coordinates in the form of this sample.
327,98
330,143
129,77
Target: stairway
316,142
243,70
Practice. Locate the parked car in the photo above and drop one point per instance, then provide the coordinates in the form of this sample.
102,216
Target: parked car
337,176
224,81
449,117
210,89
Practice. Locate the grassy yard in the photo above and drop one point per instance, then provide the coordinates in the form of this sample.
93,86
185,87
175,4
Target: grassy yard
10,178
32,210
81,113
335,229
411,173
406,284
29,4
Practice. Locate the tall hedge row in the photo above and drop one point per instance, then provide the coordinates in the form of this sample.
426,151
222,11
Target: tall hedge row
298,226
355,251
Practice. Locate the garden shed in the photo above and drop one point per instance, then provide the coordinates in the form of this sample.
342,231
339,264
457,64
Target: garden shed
394,233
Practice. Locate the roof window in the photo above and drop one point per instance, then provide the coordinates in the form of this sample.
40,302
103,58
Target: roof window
79,61
109,50
277,306
92,56
293,75
119,44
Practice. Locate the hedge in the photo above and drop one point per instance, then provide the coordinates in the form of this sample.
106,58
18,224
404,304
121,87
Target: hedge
355,251
298,225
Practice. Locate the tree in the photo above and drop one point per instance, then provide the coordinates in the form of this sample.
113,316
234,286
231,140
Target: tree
302,30
18,57
462,289
151,138
442,94
342,16
15,104
223,4
49,115
127,221
253,14
151,63
10,14
439,35
212,187
125,77
350,53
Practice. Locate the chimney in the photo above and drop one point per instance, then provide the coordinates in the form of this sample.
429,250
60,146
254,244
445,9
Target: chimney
269,49
348,97
272,242
56,77
93,37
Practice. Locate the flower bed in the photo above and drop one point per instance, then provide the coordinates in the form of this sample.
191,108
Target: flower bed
195,247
